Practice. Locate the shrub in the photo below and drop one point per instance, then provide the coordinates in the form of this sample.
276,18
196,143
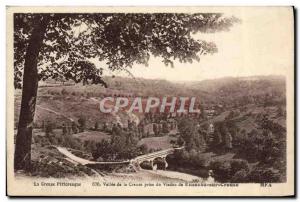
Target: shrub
143,149
201,160
53,140
240,176
234,170
221,169
239,164
48,128
96,125
64,92
70,142
261,175
197,159
82,123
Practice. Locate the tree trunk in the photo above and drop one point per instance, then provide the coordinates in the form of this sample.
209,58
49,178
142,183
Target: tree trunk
22,158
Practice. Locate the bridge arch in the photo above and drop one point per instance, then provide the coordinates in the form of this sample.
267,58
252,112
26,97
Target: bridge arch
161,162
150,158
157,162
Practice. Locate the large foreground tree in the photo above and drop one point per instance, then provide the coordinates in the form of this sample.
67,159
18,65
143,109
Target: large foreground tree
63,44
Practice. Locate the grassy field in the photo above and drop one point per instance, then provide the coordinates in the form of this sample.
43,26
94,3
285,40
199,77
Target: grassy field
58,109
93,136
157,143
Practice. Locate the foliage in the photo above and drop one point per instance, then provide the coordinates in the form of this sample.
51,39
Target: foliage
82,123
144,149
64,92
118,39
188,159
74,128
48,127
229,170
263,174
58,169
191,135
221,169
103,149
96,127
240,176
238,165
123,145
64,129
263,147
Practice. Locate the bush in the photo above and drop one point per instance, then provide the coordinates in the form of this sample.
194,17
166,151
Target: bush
143,149
239,164
48,128
96,125
234,170
53,140
262,175
189,159
64,92
70,142
221,170
82,123
240,176
197,159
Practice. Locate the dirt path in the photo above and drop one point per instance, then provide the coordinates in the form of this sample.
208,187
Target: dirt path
143,174
68,154
57,113
82,161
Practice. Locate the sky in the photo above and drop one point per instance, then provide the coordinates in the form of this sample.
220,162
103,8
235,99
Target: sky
262,44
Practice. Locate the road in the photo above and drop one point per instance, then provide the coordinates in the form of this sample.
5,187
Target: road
83,161
151,174
57,113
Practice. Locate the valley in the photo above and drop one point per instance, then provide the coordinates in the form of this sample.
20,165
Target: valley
237,115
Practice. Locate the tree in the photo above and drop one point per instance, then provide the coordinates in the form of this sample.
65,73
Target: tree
74,127
51,45
64,129
82,123
103,149
187,130
165,128
48,128
191,136
96,125
155,129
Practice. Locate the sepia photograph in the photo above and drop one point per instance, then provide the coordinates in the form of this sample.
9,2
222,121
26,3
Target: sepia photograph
150,101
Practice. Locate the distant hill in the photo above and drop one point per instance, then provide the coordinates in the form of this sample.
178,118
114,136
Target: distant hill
61,103
224,90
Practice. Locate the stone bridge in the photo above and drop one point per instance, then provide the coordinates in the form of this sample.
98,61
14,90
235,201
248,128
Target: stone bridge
152,156
134,162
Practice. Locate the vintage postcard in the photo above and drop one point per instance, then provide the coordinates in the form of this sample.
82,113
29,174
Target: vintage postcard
150,101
